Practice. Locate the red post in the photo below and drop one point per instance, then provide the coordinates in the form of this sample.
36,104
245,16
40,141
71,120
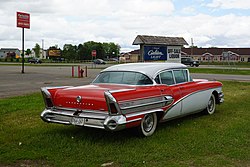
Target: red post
86,72
73,71
79,72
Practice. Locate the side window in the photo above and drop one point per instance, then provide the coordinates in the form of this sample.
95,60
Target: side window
181,76
167,78
143,80
187,77
157,79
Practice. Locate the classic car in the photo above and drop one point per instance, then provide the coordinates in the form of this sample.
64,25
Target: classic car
133,95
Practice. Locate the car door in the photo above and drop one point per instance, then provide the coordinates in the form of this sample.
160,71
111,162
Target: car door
169,89
192,99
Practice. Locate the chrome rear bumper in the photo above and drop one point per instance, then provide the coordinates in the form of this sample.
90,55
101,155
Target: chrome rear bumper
94,119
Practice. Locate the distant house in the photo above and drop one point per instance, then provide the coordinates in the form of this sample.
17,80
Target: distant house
133,56
42,54
9,53
217,54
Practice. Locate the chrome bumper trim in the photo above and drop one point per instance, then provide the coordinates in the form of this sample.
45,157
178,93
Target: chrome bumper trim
221,97
91,119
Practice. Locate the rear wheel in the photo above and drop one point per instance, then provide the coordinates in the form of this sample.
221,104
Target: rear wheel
148,125
210,105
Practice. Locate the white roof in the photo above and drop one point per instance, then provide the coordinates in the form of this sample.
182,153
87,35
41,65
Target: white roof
150,69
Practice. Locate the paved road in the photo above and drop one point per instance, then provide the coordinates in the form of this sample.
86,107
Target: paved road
13,82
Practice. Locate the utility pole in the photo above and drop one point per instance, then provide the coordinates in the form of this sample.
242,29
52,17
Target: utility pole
192,47
42,48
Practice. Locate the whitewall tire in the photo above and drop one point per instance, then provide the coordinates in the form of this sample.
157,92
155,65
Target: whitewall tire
148,125
210,105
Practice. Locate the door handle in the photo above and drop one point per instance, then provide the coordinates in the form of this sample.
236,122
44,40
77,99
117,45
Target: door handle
168,100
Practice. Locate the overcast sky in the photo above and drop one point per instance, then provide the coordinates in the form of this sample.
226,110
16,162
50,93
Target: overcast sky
220,23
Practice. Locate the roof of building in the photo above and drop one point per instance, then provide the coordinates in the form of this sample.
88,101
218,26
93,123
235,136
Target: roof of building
212,51
150,69
215,51
9,49
159,40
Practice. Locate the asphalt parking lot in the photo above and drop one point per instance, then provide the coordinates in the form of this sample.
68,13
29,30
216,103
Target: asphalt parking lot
13,82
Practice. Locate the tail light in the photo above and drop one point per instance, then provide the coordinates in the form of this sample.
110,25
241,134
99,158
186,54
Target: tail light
111,103
47,98
48,102
113,109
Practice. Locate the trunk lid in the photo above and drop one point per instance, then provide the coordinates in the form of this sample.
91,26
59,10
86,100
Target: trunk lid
88,97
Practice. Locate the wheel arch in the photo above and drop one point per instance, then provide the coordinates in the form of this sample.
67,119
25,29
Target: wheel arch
216,95
159,115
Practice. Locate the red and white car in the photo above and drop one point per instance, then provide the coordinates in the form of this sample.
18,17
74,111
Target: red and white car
132,95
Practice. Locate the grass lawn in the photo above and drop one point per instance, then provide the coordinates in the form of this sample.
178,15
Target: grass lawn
220,71
226,64
222,139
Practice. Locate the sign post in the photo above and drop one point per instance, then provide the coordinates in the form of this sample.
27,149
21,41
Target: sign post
23,21
93,54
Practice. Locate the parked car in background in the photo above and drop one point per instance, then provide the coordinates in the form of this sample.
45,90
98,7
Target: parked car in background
35,61
133,95
113,59
190,61
99,61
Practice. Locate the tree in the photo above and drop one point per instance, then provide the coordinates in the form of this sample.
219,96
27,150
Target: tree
28,52
37,50
69,52
115,49
83,51
80,52
111,49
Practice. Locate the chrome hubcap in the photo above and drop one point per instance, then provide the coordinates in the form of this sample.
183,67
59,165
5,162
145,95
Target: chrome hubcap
148,122
211,104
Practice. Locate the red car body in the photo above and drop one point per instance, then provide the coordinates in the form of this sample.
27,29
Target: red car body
132,95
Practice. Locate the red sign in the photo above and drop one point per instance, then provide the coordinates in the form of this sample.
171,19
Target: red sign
23,20
93,53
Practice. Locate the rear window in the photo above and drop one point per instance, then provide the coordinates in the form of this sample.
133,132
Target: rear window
119,77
